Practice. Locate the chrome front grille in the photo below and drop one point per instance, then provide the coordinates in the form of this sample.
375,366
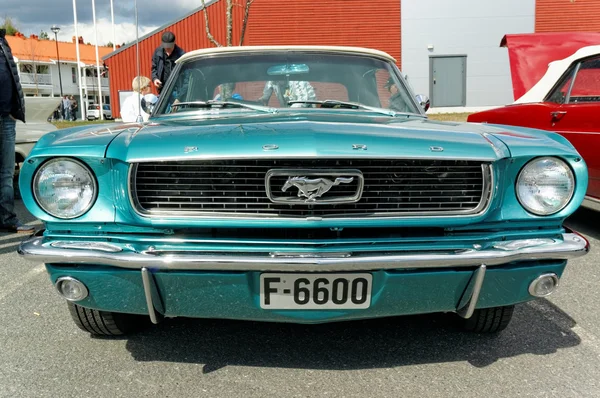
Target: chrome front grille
236,188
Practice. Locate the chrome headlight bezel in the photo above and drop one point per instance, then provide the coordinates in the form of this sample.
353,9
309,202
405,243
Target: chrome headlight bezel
84,167
564,202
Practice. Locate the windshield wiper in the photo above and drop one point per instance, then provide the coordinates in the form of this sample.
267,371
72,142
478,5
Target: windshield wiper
223,104
351,105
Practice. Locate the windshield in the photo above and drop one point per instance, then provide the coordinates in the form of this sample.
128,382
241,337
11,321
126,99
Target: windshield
287,80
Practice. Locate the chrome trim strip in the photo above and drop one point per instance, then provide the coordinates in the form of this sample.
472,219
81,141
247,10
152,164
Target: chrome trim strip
467,311
269,156
148,293
591,203
310,255
488,182
570,246
83,245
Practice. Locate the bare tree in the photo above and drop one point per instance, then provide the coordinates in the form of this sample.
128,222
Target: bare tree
245,20
32,50
229,22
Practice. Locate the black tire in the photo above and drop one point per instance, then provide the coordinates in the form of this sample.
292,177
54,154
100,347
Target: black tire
488,320
102,323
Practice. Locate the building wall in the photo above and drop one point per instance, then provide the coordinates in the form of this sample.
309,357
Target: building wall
373,24
567,16
70,79
327,22
464,27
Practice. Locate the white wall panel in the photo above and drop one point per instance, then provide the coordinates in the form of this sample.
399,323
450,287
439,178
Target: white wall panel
464,27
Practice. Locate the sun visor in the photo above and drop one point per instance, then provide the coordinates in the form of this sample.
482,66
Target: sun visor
529,54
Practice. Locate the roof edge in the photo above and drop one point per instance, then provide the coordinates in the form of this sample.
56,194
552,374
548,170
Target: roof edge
246,49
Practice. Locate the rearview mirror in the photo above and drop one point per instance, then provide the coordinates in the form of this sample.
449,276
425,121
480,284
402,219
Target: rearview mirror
423,100
148,102
291,69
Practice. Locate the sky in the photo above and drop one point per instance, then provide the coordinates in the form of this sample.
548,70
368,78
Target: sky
38,15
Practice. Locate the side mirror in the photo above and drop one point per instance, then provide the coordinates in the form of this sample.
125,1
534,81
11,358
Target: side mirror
423,100
148,102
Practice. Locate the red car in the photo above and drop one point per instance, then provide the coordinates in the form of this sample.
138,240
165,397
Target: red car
566,99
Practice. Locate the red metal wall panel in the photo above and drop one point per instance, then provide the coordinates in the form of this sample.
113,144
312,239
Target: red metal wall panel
374,24
272,22
567,16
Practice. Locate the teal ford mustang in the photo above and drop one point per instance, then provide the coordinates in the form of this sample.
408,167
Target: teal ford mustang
299,184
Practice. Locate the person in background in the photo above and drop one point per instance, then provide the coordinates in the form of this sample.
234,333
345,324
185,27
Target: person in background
289,91
163,60
397,102
131,108
74,107
66,104
12,108
226,92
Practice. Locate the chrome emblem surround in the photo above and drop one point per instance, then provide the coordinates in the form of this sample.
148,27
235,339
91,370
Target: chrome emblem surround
312,184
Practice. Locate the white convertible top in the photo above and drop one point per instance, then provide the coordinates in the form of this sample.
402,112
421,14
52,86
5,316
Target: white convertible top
555,70
262,49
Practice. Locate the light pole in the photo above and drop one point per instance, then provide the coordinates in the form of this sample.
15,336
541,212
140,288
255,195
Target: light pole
56,29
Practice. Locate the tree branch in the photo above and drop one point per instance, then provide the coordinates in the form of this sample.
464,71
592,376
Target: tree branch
229,17
245,20
208,34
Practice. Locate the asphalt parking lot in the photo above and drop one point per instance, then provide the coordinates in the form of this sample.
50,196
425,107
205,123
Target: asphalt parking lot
552,348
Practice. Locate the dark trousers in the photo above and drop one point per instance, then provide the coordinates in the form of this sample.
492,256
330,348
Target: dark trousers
7,170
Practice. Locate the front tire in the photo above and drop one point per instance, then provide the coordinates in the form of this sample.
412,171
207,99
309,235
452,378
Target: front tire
103,323
488,320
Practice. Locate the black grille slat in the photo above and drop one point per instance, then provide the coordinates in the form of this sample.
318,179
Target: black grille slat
391,187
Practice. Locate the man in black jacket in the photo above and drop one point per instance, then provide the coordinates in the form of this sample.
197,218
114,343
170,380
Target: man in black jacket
163,60
12,108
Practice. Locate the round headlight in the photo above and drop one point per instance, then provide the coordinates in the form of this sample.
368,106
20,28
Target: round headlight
545,186
64,188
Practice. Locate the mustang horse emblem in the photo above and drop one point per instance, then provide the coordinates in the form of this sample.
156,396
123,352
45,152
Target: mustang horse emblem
312,189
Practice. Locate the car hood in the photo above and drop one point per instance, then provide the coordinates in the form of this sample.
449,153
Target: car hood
81,141
300,136
296,136
37,112
531,53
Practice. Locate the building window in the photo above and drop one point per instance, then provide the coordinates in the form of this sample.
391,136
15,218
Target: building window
74,75
26,68
29,68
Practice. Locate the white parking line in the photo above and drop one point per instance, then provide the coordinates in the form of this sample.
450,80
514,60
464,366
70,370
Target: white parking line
16,284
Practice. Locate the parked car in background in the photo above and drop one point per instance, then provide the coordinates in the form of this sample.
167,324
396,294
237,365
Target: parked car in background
38,111
93,112
325,194
566,99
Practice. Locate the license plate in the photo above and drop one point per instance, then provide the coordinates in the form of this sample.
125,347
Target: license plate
315,291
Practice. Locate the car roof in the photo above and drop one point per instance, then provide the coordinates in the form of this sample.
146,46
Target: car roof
263,49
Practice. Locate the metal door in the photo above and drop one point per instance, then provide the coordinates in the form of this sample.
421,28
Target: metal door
448,80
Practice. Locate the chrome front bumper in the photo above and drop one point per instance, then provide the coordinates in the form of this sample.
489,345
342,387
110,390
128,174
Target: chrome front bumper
571,245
